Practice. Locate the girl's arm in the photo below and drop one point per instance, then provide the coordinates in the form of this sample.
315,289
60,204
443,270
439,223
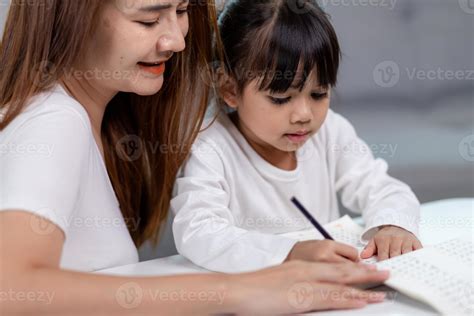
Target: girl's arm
204,227
32,283
364,184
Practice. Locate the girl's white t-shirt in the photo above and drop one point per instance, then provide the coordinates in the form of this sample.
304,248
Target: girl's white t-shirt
231,204
51,166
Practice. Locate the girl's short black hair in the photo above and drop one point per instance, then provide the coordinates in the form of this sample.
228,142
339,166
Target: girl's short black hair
279,43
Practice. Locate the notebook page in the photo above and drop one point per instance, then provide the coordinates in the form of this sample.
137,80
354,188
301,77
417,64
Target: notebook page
462,249
433,277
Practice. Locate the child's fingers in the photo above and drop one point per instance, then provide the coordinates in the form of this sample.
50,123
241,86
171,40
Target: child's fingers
369,250
407,246
383,247
396,246
417,245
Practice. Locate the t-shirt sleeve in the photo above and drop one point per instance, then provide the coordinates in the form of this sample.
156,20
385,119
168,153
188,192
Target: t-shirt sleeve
41,165
365,187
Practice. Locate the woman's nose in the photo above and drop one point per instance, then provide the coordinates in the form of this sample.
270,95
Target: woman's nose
172,39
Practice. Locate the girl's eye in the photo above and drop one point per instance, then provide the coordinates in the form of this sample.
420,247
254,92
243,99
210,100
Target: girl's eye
319,96
279,101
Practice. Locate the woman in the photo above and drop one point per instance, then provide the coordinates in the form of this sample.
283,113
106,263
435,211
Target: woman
100,103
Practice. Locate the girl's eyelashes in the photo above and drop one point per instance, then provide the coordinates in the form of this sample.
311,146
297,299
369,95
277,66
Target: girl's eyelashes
279,101
319,96
315,96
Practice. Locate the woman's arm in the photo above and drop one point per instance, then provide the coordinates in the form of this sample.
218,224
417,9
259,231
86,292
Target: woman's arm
32,283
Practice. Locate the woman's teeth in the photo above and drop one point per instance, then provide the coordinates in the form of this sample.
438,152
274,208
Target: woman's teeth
149,64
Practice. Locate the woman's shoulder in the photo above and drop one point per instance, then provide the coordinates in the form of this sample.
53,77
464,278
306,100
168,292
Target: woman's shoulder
51,117
50,110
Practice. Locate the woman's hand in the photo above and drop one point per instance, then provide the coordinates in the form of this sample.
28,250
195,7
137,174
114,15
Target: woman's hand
390,241
300,286
323,251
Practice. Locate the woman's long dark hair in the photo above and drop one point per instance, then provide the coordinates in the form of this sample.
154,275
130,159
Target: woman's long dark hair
44,39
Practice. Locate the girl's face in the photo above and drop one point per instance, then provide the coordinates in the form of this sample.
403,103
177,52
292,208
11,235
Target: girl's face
133,40
281,122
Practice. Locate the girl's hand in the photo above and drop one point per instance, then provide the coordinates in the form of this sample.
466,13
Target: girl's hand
299,286
323,251
391,241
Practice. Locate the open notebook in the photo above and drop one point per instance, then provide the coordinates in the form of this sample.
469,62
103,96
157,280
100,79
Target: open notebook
439,275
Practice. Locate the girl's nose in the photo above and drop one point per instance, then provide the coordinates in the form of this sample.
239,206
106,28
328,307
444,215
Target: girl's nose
301,113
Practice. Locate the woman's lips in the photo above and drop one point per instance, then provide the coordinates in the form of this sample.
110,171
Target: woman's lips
158,69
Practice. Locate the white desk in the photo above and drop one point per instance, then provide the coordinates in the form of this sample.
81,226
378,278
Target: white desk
440,221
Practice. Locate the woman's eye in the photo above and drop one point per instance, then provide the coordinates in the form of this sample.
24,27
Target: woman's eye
319,96
279,101
183,11
150,23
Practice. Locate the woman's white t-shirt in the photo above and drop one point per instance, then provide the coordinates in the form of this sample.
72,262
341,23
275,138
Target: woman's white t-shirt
50,165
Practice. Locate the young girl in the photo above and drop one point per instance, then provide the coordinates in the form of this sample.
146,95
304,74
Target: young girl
282,140
80,82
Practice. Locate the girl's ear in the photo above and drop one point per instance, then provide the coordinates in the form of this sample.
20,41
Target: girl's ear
229,91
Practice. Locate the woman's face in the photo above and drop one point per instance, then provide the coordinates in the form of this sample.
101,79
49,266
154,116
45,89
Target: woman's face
133,40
